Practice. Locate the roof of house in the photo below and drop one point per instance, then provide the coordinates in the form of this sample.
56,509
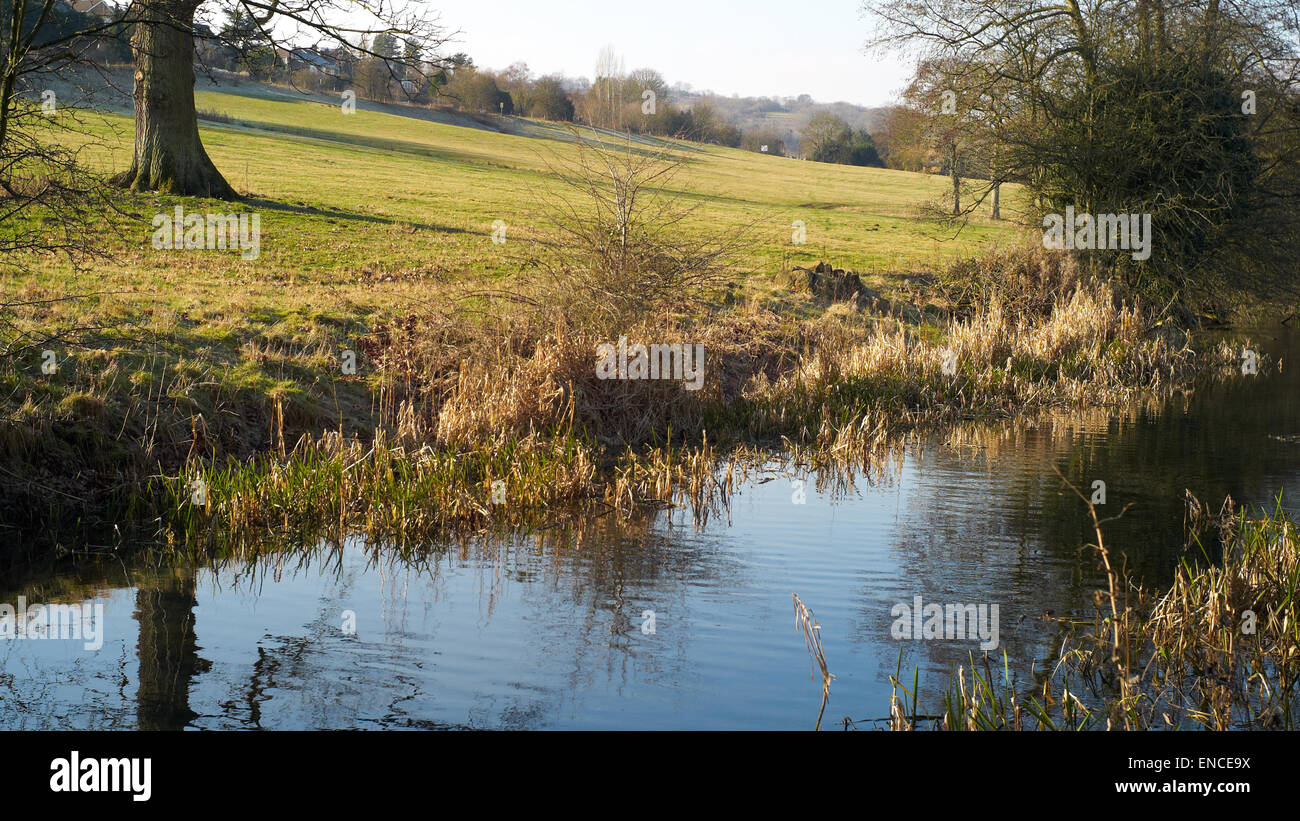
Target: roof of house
101,7
312,58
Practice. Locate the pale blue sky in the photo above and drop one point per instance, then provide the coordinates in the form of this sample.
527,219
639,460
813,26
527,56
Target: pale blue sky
759,47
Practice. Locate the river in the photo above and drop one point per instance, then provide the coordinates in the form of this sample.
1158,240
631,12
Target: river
655,622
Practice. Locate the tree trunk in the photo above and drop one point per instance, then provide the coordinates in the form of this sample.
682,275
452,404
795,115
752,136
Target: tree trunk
997,201
956,181
169,156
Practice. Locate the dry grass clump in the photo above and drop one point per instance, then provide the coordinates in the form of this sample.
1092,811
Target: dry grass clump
1226,635
558,383
1033,281
1089,348
474,379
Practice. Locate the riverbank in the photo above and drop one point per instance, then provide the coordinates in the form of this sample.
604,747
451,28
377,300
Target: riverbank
456,421
372,370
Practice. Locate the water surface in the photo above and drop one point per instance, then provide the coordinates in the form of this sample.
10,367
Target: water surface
552,630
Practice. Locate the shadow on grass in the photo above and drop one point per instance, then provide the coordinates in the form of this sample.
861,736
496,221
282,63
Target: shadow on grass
353,216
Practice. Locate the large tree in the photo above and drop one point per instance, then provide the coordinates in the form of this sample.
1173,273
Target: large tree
169,155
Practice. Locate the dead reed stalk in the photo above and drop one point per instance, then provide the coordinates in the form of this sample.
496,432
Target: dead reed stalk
806,623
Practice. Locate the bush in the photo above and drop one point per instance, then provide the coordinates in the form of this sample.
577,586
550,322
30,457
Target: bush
477,92
547,100
620,252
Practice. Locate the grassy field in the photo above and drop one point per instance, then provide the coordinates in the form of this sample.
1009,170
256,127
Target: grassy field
363,215
383,193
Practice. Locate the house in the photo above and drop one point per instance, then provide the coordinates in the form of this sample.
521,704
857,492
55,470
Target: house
95,8
309,59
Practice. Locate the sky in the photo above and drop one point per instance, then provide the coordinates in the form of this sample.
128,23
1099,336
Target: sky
773,48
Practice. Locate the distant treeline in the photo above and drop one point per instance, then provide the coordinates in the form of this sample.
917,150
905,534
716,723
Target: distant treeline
385,68
638,101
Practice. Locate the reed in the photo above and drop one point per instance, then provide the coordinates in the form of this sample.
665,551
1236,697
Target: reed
806,623
1219,649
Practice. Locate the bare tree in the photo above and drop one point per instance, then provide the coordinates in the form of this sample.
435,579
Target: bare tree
1123,106
606,96
39,173
624,244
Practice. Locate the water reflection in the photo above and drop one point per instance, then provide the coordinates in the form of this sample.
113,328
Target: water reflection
499,632
550,629
167,650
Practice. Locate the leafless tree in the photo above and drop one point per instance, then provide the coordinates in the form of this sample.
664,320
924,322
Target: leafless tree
625,244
